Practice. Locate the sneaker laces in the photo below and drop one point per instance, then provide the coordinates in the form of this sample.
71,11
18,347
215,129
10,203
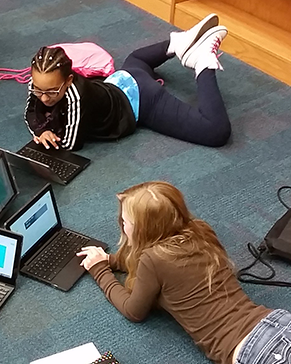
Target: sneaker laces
214,50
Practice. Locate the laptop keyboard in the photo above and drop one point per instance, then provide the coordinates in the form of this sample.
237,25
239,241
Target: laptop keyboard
3,292
52,259
62,168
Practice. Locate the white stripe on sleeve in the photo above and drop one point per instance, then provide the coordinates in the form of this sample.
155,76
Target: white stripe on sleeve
26,108
73,117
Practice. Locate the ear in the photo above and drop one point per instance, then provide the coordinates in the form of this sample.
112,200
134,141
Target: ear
70,80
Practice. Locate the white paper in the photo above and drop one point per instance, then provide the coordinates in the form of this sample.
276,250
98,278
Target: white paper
84,354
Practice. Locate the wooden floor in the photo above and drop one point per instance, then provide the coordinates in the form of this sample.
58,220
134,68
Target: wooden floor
262,40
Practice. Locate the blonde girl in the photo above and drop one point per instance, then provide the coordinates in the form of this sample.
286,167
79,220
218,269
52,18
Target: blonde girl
175,261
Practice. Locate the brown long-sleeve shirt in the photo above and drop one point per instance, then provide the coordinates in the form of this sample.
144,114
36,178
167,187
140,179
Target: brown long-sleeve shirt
217,320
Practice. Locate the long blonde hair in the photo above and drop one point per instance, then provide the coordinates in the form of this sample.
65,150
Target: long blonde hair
162,221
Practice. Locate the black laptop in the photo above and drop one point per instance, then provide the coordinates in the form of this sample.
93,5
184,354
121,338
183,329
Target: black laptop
49,249
57,165
8,188
10,249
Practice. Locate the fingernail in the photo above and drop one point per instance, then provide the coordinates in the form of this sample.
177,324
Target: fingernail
47,147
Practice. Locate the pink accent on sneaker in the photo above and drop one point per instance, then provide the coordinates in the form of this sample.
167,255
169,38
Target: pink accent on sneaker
214,50
216,45
203,54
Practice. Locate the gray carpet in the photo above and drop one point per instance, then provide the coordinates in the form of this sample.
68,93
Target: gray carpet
233,188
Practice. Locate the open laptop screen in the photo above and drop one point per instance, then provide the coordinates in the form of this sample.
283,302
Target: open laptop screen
35,222
7,255
8,189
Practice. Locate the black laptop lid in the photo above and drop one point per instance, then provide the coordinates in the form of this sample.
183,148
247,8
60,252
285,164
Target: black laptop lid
31,166
10,251
37,221
8,189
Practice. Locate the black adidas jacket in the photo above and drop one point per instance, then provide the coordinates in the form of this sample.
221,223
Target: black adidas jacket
90,110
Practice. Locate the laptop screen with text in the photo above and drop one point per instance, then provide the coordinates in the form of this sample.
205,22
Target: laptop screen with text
35,222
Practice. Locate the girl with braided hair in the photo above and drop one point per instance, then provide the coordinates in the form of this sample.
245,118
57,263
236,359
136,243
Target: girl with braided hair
65,109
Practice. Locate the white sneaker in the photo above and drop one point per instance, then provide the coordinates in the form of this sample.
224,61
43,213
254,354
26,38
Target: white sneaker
203,54
180,42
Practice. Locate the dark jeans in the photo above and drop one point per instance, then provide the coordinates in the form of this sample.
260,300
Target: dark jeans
206,124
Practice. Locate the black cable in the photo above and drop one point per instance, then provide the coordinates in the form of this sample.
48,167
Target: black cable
280,197
257,254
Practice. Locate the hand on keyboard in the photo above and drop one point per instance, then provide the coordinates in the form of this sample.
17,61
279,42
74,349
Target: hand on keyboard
46,138
93,255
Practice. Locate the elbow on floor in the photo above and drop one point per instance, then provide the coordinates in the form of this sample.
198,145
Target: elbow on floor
134,318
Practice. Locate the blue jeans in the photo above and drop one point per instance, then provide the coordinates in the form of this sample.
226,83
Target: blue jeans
206,123
269,342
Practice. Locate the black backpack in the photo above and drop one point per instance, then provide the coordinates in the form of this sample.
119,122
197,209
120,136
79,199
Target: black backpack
277,243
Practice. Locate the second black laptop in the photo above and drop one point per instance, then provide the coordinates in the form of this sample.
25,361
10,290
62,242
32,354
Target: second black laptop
56,165
49,250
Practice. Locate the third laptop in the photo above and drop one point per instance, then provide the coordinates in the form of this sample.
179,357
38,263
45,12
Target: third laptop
10,248
49,249
60,165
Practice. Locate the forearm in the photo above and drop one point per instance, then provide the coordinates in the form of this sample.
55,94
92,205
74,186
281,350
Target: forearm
135,304
30,114
35,126
114,291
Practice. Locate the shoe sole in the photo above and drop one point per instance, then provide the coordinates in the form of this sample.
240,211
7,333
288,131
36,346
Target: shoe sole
209,22
202,38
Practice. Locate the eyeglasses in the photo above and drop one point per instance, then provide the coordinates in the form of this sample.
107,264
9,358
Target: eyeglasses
50,94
